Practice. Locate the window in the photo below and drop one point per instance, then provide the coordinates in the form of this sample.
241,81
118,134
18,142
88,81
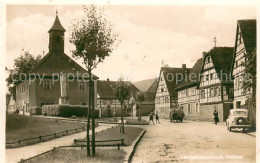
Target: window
166,100
238,104
47,85
187,92
207,77
83,103
197,108
211,76
216,91
202,93
162,89
189,108
208,59
212,93
82,86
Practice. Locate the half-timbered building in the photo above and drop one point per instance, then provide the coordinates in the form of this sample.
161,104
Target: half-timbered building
216,85
188,93
245,43
166,96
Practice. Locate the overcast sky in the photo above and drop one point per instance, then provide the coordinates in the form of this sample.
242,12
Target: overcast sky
149,34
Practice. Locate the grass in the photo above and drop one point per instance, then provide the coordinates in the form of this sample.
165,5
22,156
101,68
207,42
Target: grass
80,155
136,122
131,134
20,127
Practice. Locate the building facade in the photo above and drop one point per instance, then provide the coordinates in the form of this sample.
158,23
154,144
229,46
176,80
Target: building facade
166,96
245,43
216,85
189,94
56,79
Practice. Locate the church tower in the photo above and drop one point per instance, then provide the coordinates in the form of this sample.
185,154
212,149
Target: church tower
56,37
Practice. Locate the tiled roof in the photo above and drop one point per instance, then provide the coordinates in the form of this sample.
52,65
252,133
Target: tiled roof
57,25
148,85
56,63
248,31
192,80
170,75
105,88
222,58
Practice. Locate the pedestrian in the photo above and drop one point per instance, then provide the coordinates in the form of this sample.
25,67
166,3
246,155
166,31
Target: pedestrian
157,117
215,114
151,118
114,115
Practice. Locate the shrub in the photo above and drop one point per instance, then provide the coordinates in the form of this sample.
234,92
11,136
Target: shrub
35,110
67,110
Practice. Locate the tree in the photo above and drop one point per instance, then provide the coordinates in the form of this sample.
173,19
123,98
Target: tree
140,97
249,84
122,91
22,66
95,40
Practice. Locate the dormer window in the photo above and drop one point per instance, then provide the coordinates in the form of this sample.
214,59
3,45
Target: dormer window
208,60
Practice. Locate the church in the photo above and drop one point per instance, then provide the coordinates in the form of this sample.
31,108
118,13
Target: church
56,79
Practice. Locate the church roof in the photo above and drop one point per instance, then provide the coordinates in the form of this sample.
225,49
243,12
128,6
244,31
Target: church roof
52,64
57,25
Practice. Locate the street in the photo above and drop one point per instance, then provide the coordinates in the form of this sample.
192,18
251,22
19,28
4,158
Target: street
194,141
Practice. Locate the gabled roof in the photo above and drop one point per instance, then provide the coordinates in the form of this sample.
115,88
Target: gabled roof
57,25
248,31
146,85
105,88
222,58
193,76
56,63
170,75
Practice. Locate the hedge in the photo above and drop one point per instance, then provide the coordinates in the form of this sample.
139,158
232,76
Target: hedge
35,110
66,110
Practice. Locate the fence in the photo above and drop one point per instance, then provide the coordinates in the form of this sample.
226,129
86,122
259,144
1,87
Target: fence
81,146
41,138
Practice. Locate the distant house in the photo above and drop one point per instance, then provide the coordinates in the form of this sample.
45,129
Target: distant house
245,43
166,96
149,87
10,104
106,96
57,79
216,85
188,93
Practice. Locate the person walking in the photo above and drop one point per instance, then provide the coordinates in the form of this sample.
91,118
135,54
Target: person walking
114,115
151,118
157,117
215,114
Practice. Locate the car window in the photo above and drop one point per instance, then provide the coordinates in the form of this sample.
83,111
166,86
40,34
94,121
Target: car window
239,113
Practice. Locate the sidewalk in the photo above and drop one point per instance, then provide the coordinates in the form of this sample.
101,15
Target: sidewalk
15,155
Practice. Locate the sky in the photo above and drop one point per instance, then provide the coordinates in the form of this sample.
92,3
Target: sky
148,34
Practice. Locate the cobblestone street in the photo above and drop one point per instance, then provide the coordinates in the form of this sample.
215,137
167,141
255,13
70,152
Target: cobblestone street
170,142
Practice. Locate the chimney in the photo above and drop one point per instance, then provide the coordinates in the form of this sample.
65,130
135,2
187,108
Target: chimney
203,54
183,67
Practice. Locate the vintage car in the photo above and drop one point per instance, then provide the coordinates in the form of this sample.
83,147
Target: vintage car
238,118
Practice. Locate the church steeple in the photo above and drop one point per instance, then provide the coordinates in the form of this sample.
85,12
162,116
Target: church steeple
56,37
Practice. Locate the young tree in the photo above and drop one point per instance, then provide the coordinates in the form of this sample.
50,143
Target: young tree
95,40
249,84
22,65
122,93
140,97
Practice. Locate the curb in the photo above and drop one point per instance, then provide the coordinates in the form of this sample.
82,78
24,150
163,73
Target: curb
130,158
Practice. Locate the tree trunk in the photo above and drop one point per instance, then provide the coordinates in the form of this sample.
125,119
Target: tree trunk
122,119
93,119
88,123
